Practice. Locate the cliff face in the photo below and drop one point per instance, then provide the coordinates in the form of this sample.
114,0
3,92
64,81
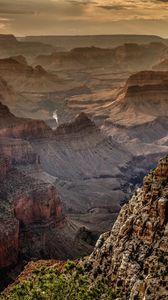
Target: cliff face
134,255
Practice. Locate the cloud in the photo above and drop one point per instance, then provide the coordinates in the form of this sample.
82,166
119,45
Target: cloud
112,7
82,2
116,7
164,1
80,16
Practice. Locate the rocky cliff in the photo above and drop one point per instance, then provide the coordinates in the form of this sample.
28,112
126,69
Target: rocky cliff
144,98
134,255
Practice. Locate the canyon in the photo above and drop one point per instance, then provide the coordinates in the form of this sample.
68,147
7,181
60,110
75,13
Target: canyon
63,184
32,221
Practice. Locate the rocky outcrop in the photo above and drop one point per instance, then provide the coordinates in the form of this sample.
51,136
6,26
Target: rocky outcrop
143,99
134,255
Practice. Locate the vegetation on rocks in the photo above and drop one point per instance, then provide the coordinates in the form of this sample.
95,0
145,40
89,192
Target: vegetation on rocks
72,283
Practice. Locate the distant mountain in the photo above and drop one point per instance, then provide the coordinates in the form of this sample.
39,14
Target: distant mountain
10,46
23,77
129,57
104,41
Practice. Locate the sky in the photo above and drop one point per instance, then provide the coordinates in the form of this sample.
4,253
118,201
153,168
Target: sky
83,17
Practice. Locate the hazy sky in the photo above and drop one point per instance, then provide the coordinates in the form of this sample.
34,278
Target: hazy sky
33,17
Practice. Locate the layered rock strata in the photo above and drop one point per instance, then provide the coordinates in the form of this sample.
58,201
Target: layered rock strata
143,99
134,255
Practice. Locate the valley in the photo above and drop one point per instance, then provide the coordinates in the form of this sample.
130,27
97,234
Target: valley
63,184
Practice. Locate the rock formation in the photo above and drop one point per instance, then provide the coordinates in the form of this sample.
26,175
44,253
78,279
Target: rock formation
24,78
143,99
134,255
